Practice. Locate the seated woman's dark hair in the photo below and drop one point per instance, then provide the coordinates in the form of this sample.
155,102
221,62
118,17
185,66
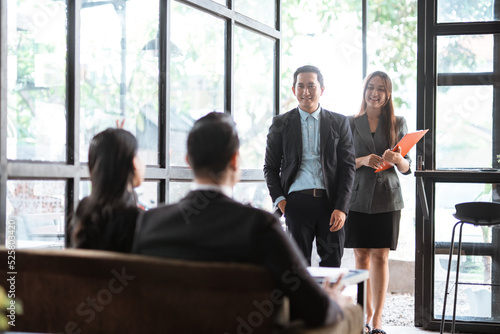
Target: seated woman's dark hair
111,168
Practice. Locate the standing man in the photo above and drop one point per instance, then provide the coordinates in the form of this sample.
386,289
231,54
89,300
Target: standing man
310,169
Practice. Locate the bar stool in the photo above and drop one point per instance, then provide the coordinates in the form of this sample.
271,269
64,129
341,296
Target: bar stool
477,214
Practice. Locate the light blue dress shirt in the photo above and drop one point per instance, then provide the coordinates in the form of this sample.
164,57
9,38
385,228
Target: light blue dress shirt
310,174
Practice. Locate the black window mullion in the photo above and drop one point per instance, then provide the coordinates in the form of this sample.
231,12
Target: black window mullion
496,90
232,19
496,99
427,82
73,101
430,85
277,61
164,97
447,29
364,32
277,78
419,220
229,67
424,228
429,157
466,79
3,119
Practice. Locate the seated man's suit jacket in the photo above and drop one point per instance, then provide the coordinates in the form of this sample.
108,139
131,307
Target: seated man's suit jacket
209,226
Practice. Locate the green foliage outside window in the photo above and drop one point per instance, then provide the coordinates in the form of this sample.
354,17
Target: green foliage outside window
391,30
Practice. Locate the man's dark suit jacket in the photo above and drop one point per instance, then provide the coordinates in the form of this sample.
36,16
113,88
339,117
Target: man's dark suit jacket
209,226
284,156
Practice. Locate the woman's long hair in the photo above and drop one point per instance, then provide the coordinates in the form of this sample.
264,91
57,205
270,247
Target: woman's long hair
388,119
111,167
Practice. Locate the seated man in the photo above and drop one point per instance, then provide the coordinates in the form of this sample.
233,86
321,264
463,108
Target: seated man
207,225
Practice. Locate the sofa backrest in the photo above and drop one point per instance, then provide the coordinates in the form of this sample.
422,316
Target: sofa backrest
86,291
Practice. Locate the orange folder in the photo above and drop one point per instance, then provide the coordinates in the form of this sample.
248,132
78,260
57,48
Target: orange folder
406,143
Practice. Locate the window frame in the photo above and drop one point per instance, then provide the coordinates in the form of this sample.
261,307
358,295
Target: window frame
427,82
74,172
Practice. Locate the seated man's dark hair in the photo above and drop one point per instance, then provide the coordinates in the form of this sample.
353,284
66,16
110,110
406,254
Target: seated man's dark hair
211,144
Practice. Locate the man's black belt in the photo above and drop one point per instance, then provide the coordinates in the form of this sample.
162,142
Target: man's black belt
313,192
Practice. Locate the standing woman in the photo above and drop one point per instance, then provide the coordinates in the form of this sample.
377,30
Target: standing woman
372,228
106,219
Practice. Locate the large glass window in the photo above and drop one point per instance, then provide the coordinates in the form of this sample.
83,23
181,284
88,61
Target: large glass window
36,113
464,117
205,77
119,71
254,94
329,36
260,10
464,127
126,78
117,50
196,73
251,193
458,102
476,266
465,11
255,194
37,210
147,193
391,47
178,190
464,53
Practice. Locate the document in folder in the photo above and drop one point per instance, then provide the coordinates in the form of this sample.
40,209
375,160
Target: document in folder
406,143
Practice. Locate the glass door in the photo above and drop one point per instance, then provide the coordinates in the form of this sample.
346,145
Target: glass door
458,100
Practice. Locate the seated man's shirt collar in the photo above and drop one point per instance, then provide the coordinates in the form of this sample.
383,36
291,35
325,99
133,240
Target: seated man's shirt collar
225,190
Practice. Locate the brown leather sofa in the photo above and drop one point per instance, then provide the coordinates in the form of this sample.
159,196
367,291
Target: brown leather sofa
83,291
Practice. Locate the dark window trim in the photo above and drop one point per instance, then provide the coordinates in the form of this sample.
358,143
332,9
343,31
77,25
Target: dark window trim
474,28
467,79
224,12
72,170
427,82
3,119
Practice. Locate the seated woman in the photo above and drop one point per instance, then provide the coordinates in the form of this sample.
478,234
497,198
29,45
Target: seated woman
106,219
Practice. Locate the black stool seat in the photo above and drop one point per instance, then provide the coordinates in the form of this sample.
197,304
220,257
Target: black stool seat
475,213
478,213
